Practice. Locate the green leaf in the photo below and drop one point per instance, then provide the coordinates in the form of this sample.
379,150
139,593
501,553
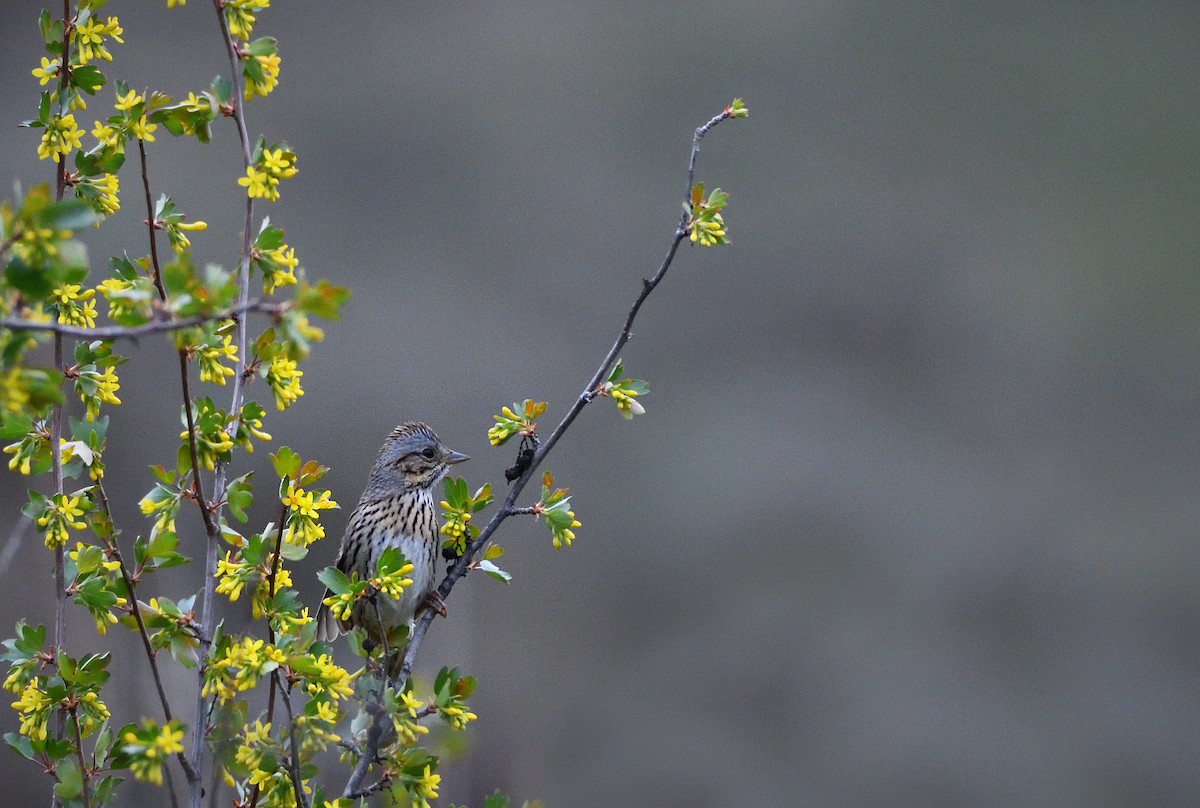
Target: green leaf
70,780
70,214
390,560
19,744
494,571
335,580
239,496
286,462
264,46
88,78
222,90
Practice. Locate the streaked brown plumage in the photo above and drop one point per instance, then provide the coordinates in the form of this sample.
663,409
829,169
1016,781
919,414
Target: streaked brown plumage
397,509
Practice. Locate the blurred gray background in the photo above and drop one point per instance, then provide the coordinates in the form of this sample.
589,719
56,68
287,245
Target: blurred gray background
911,518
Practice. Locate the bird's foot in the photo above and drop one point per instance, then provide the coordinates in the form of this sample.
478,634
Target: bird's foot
434,601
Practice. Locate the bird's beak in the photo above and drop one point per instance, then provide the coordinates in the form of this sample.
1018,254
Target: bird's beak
455,457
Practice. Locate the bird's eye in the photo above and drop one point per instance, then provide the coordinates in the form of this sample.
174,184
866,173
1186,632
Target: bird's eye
428,453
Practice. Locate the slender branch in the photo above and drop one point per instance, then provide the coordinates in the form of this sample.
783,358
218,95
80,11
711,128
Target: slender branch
463,563
271,630
208,606
114,550
85,772
164,325
378,785
294,757
56,412
151,224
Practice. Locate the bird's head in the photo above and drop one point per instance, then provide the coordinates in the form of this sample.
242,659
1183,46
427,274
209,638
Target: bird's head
411,458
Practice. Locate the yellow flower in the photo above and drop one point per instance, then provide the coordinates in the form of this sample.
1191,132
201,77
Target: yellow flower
142,129
128,101
47,71
426,788
410,703
168,740
259,184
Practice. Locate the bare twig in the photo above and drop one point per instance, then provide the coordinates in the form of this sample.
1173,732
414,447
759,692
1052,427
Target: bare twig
459,568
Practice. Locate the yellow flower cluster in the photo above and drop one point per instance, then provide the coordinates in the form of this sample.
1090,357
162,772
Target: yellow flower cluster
14,395
233,575
279,268
304,521
708,233
563,536
176,236
239,666
209,358
424,788
457,716
284,379
626,401
89,37
107,384
61,136
239,14
262,180
124,298
34,706
60,517
268,66
455,527
38,244
393,583
149,747
107,188
75,307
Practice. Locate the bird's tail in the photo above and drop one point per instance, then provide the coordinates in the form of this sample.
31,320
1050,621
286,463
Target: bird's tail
327,624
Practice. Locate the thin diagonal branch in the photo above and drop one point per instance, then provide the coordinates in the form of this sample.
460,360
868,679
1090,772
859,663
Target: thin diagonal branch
507,508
